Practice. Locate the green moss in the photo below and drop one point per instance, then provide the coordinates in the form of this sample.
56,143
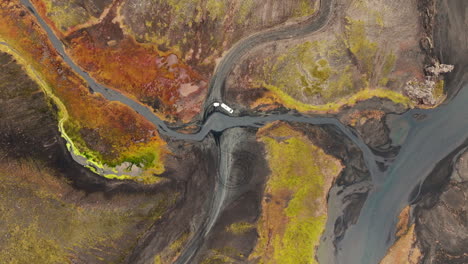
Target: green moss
359,45
300,71
240,228
292,103
389,64
245,10
157,260
25,245
379,19
325,75
146,157
218,259
72,130
66,14
41,228
304,8
297,246
439,89
287,155
216,8
177,244
298,168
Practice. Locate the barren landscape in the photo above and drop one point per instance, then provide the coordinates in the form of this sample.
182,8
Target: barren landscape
219,131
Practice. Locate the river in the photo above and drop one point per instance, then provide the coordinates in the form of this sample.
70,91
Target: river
426,142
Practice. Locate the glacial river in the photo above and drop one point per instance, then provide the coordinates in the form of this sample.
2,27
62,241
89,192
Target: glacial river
424,143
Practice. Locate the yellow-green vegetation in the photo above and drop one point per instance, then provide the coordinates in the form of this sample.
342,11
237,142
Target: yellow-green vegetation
168,254
222,256
365,94
366,53
305,74
327,74
157,260
39,226
240,228
146,156
439,89
66,14
304,8
217,9
177,245
293,218
218,259
387,68
245,8
360,46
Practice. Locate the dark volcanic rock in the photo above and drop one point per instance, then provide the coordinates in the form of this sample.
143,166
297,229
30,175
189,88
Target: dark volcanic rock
441,214
248,175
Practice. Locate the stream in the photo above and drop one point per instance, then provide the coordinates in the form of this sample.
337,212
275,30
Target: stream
424,143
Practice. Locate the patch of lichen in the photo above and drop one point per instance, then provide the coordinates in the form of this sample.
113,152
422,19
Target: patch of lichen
301,63
39,226
304,8
363,50
220,257
300,178
177,244
157,259
438,91
172,251
240,228
305,73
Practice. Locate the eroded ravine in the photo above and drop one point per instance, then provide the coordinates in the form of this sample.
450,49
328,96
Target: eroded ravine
393,186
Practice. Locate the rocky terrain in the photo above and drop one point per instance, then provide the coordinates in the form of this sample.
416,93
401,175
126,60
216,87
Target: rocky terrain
357,55
441,213
268,192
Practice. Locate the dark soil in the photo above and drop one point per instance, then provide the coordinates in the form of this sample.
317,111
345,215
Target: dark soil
29,131
441,213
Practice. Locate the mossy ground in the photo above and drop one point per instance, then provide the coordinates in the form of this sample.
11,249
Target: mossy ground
43,220
294,208
240,228
172,251
357,57
66,13
313,76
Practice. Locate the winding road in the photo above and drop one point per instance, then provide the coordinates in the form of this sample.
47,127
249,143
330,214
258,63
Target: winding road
428,141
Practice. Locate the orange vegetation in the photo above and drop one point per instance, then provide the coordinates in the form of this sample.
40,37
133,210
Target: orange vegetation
362,116
141,71
117,129
404,250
